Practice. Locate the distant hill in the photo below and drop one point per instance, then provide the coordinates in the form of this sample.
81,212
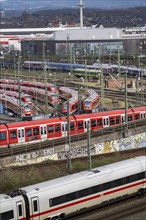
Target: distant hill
34,5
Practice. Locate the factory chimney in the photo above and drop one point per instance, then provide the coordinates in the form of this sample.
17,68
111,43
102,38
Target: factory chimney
81,5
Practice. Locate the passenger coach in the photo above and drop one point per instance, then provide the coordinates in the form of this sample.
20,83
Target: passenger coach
40,130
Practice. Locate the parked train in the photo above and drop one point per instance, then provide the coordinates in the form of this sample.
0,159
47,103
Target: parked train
40,130
50,87
131,71
91,101
76,193
67,67
32,92
38,65
25,98
72,103
13,104
106,68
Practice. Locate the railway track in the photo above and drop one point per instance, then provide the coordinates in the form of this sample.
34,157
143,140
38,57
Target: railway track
126,209
106,132
134,97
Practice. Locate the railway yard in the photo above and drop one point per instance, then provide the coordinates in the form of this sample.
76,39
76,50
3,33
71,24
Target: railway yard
61,124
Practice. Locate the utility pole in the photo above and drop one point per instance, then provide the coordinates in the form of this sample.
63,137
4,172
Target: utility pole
68,137
19,85
126,104
86,78
88,148
79,98
45,79
71,58
118,60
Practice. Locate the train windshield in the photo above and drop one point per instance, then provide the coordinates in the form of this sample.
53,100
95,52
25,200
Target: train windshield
65,106
87,103
28,99
27,109
54,97
53,88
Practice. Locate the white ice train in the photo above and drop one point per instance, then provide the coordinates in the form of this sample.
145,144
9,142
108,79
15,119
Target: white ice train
75,193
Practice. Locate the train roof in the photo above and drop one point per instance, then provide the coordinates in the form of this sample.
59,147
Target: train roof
78,117
108,113
34,122
92,95
72,92
116,170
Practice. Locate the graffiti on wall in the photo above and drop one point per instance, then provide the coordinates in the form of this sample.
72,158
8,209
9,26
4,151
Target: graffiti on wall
134,141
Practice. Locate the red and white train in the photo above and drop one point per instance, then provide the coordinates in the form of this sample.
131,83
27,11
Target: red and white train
13,134
32,91
76,193
91,101
13,103
72,96
50,87
25,98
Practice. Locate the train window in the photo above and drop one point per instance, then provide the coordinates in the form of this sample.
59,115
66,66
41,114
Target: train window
44,130
93,123
140,176
80,125
13,134
50,129
19,210
19,134
57,128
137,116
111,121
72,126
99,122
50,203
7,215
35,131
118,120
95,189
35,205
22,132
84,192
2,136
28,132
129,117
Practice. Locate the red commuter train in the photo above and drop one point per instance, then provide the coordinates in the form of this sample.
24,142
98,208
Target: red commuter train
50,87
91,101
72,96
26,98
17,133
26,109
32,91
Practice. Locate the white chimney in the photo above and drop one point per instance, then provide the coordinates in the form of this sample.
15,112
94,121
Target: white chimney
81,13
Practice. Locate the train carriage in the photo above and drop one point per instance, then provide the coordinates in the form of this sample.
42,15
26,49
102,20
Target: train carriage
91,101
76,193
50,128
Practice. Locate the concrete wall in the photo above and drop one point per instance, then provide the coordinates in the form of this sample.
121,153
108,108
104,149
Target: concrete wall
77,150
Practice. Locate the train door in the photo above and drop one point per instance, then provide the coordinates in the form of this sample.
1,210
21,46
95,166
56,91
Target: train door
43,132
20,210
142,115
21,138
123,118
64,129
86,124
35,208
105,122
